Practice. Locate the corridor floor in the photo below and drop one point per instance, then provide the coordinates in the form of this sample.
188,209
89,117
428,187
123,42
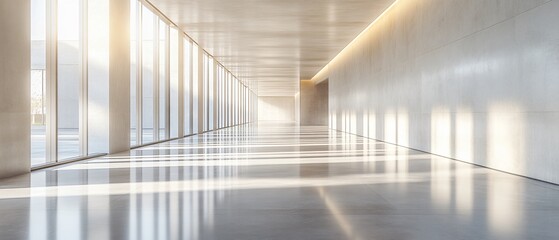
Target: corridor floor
276,181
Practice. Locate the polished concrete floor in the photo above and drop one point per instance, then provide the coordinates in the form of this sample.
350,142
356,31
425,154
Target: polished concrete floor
276,181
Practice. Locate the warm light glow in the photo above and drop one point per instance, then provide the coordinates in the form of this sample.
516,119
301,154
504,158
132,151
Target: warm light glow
390,127
365,124
234,146
505,134
271,161
333,121
339,216
352,122
403,128
391,165
464,188
504,205
441,132
403,162
344,129
441,185
372,125
464,135
203,185
317,77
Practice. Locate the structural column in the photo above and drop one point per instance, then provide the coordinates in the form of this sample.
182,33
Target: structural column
15,110
313,103
119,76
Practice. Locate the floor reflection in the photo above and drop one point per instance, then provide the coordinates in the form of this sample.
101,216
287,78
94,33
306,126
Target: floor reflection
276,182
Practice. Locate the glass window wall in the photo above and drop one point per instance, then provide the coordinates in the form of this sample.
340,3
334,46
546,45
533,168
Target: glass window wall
174,83
39,99
163,81
69,79
187,70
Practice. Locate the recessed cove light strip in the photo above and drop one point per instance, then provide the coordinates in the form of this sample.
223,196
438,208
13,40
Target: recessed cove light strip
318,77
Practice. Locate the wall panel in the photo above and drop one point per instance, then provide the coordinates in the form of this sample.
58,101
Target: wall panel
276,108
472,80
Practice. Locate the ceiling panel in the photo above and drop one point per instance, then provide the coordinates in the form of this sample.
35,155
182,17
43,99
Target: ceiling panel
273,44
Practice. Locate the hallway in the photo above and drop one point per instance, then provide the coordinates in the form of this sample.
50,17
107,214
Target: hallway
276,181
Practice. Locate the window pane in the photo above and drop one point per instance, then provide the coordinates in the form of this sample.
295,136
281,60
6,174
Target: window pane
38,82
229,102
235,101
148,47
218,97
69,77
187,82
205,92
195,87
211,93
97,76
245,104
162,80
133,72
174,83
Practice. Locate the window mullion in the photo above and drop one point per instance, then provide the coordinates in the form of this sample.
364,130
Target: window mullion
83,111
52,72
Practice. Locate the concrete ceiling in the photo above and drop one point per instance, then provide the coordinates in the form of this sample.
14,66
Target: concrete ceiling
273,44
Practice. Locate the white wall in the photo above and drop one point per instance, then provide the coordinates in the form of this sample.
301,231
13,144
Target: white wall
473,80
276,108
15,76
314,103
